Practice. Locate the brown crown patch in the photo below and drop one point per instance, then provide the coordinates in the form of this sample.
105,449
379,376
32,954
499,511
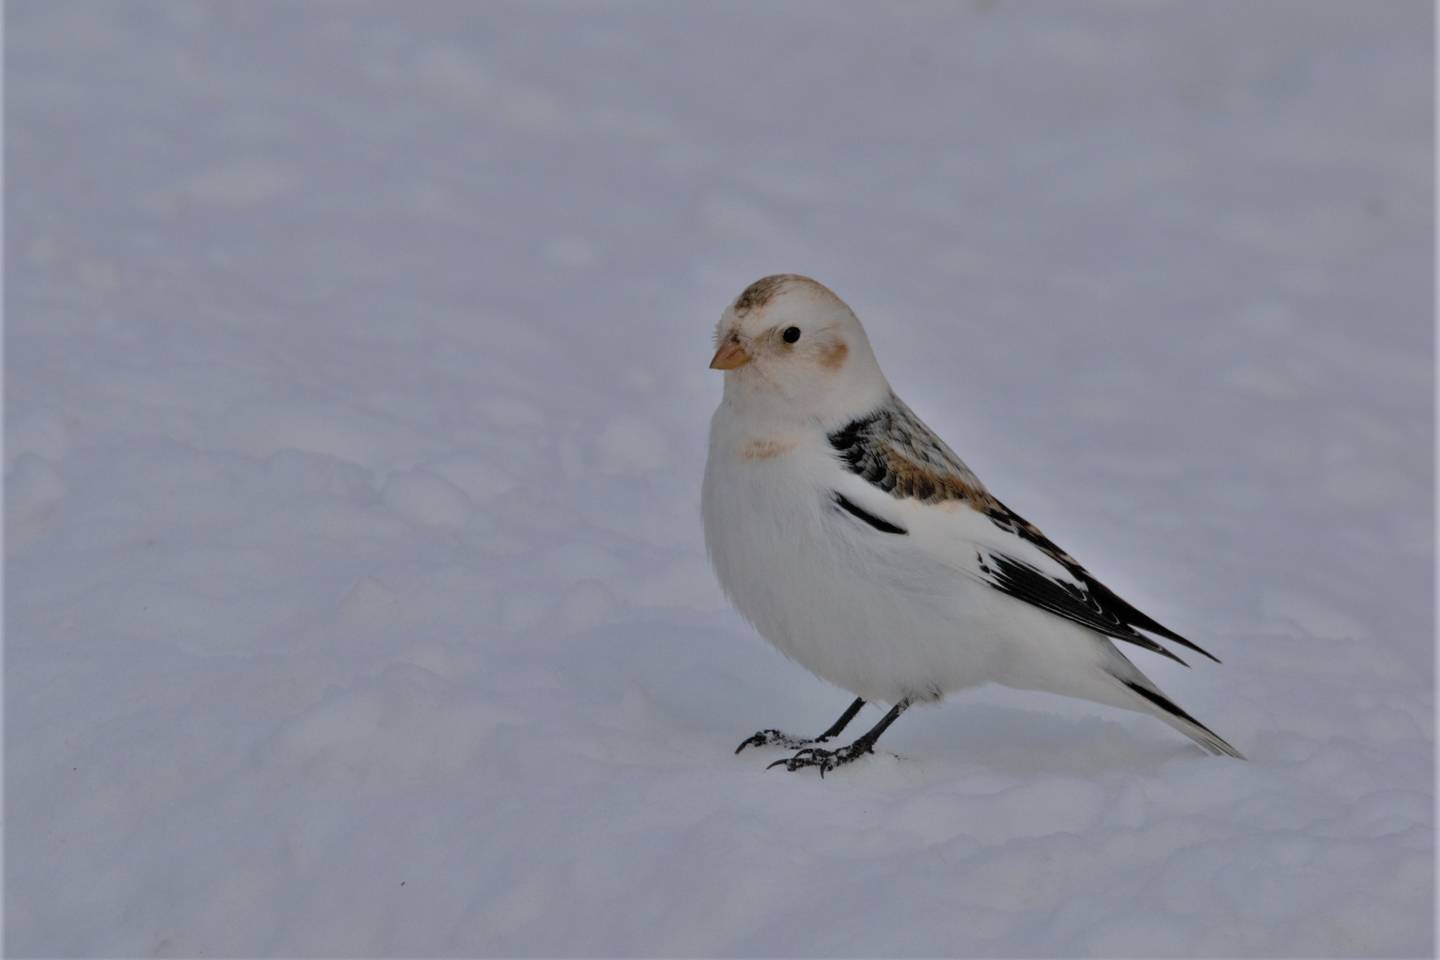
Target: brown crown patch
761,292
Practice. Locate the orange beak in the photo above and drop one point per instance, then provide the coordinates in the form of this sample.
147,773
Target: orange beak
729,356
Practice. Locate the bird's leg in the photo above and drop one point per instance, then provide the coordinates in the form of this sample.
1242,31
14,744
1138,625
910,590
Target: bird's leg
828,760
843,722
766,738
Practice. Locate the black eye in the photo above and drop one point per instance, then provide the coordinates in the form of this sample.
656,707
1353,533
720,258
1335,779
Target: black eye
791,334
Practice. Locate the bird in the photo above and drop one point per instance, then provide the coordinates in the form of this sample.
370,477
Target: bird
855,541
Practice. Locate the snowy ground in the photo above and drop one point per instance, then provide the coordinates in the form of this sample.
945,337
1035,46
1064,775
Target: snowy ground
356,398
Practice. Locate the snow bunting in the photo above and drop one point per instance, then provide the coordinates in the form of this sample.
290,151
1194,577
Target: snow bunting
861,546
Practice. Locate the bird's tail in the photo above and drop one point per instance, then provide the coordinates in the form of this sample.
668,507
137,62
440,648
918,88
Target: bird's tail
1147,698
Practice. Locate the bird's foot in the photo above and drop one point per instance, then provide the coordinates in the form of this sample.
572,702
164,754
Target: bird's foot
826,760
777,738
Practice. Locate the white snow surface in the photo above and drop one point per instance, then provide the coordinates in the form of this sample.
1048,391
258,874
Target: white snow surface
356,598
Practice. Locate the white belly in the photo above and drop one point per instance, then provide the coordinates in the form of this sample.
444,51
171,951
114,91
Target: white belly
860,608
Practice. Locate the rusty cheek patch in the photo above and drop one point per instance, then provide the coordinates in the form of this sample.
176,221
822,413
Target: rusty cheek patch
833,356
765,449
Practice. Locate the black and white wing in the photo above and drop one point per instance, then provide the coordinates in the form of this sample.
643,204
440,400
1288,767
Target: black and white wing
896,454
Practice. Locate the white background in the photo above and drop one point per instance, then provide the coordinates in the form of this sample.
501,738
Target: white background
356,601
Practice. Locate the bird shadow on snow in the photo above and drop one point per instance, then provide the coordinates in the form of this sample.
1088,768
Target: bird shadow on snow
1024,742
720,698
1012,742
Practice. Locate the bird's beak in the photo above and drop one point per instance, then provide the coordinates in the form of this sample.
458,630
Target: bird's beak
729,356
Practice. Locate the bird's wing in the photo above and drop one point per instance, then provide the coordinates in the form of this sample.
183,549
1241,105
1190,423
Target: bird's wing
948,507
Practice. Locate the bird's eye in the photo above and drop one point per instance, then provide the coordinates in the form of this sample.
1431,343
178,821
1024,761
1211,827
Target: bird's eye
791,334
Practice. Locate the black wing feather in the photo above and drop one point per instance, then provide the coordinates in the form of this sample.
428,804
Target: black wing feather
884,526
896,452
1101,597
1026,582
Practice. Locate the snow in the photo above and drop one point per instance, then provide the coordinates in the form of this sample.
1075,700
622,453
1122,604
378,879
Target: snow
356,403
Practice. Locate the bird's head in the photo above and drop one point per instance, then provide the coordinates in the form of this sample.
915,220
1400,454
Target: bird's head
791,348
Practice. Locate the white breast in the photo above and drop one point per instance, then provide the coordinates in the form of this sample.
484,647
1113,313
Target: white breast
862,609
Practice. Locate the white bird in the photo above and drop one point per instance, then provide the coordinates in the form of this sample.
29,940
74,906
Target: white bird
860,545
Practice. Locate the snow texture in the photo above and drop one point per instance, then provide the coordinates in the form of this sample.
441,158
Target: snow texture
356,599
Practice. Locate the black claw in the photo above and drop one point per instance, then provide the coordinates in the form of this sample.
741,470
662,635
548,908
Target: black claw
767,738
823,760
827,760
809,757
758,739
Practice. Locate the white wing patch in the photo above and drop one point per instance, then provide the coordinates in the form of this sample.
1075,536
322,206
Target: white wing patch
895,453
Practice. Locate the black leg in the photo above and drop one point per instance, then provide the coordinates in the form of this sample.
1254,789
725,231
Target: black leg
767,738
843,722
828,760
